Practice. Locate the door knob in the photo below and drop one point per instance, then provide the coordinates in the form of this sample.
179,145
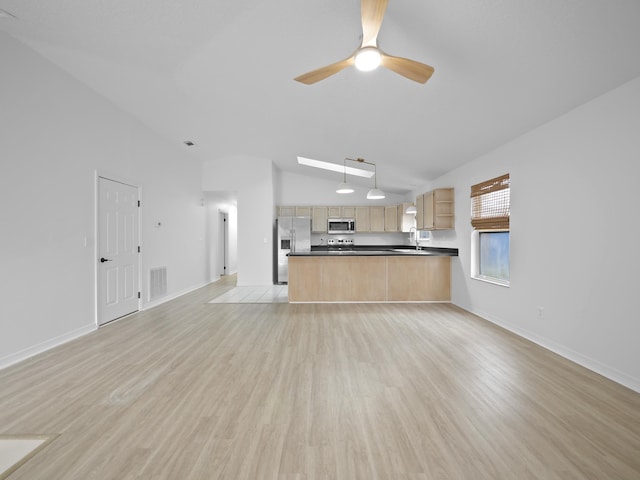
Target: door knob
102,260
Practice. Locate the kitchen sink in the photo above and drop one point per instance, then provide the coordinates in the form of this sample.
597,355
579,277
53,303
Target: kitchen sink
412,251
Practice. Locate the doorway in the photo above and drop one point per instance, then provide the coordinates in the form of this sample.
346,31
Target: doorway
118,250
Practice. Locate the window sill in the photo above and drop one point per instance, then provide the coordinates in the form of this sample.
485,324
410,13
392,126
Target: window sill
495,281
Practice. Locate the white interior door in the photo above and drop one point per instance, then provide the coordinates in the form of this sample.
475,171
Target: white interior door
118,245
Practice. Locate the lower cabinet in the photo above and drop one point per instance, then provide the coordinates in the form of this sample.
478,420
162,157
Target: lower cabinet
370,279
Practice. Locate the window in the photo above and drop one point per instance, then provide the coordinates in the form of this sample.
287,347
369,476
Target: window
490,212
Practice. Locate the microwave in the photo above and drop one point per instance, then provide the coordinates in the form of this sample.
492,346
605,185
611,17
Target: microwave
341,225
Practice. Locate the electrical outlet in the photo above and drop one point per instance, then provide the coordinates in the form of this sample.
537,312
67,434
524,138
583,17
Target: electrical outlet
540,313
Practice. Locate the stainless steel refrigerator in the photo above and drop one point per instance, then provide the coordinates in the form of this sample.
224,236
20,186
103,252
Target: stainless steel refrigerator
293,235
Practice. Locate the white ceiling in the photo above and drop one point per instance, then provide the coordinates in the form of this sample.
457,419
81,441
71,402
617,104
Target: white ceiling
220,73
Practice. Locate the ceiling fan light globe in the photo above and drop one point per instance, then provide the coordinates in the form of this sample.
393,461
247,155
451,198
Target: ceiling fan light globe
367,59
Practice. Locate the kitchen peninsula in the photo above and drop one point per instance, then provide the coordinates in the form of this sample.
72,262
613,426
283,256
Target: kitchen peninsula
374,274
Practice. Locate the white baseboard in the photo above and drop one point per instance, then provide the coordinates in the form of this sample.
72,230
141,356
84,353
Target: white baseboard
576,357
173,296
44,346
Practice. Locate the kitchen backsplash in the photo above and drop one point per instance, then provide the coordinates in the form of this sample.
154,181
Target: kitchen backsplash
365,238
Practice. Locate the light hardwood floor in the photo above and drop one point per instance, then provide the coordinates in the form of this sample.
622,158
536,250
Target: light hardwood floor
191,390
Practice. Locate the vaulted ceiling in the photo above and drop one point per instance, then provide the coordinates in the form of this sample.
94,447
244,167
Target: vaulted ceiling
220,73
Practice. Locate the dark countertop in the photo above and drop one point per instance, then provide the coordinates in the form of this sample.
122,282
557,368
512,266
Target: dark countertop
376,250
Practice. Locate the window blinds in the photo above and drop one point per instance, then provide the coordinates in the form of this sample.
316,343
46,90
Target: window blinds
490,204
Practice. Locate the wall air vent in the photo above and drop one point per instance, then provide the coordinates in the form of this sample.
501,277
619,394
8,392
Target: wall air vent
157,282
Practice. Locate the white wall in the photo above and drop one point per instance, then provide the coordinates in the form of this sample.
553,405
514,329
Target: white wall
574,235
252,179
55,134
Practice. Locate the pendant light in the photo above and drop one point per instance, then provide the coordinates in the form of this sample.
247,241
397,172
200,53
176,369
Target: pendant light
411,210
375,193
344,187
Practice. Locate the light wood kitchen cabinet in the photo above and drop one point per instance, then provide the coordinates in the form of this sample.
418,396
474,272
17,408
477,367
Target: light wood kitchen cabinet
319,219
335,212
342,212
435,210
348,212
439,209
428,216
376,219
303,211
286,211
369,279
420,212
391,218
363,223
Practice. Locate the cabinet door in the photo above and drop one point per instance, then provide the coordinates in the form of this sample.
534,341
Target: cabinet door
303,211
362,219
348,212
443,208
391,218
429,210
286,211
319,220
377,219
400,217
335,212
420,212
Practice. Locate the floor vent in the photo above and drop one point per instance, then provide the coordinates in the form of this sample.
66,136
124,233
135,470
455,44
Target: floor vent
157,282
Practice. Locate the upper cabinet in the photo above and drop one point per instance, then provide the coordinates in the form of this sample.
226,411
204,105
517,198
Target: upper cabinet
420,212
342,212
335,212
435,210
391,219
363,223
303,211
348,212
376,218
319,219
286,211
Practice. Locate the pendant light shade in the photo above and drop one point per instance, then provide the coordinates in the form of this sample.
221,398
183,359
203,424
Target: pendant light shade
411,210
375,193
344,187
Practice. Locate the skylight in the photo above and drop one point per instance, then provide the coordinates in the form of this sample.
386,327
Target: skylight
335,167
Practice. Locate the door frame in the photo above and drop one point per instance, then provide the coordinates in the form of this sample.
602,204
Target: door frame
96,235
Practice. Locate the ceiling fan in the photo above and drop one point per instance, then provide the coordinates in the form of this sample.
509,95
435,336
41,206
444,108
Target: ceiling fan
368,56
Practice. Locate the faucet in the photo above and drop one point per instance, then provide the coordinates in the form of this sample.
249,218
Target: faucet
415,237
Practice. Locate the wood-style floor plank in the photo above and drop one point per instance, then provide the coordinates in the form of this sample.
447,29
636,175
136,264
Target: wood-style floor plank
197,391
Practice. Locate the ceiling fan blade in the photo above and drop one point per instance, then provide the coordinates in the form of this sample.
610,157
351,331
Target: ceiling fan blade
416,71
372,15
324,72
